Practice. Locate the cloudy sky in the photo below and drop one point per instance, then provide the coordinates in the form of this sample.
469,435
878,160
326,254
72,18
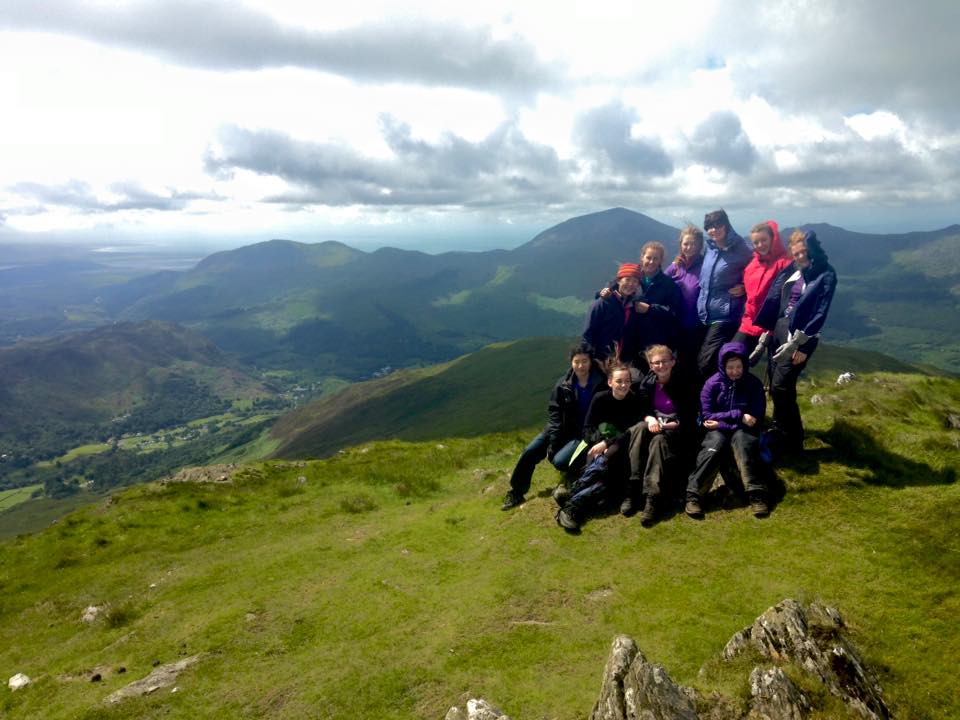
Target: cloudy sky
470,123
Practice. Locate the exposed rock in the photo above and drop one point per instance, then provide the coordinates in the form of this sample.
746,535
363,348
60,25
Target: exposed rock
817,400
811,639
652,695
207,474
634,688
90,613
476,709
18,681
846,378
612,703
953,421
775,697
737,644
161,677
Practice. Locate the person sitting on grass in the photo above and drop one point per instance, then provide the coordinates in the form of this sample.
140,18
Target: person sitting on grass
607,432
659,444
733,403
566,413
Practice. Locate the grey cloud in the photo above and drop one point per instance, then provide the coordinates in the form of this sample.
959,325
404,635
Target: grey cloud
604,133
80,196
230,36
847,57
720,142
504,168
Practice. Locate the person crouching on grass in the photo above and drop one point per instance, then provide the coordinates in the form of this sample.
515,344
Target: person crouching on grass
733,403
607,432
566,414
660,441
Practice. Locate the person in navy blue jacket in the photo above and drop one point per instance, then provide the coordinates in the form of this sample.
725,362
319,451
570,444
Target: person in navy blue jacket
566,413
722,294
793,314
611,325
732,405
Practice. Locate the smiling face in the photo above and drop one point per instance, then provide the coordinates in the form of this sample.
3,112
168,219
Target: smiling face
718,234
662,365
799,252
761,242
733,368
580,364
651,261
619,383
689,247
628,285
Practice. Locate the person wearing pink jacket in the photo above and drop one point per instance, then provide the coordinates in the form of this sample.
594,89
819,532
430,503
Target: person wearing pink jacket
769,258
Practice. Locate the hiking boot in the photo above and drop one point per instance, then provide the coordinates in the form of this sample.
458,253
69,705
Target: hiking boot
759,507
649,515
511,500
693,509
627,507
561,493
566,519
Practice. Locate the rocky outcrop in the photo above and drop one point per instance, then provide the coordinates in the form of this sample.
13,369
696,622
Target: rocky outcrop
811,639
207,474
633,687
775,697
161,677
787,635
476,709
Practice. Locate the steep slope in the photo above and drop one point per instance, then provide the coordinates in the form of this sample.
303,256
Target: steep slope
56,392
385,583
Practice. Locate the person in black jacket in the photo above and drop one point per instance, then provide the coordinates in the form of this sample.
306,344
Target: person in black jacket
566,413
607,433
610,326
657,306
664,439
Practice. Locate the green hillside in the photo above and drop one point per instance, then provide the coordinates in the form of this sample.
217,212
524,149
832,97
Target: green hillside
58,393
502,387
385,582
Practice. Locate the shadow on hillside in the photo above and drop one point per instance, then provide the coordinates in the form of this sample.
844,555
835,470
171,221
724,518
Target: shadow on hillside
854,446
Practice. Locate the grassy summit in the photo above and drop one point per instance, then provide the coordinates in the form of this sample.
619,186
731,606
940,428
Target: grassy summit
385,583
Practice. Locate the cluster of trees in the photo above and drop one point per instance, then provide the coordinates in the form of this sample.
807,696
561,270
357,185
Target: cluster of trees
117,467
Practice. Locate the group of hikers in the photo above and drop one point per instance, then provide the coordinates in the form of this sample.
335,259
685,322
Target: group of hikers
664,369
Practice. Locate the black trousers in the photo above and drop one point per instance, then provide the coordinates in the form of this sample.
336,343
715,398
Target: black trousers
787,424
717,334
715,450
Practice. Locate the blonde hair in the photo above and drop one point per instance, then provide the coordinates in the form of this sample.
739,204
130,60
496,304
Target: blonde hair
654,350
697,234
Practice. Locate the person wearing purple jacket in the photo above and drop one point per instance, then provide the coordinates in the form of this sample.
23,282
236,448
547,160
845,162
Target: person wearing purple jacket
733,404
685,271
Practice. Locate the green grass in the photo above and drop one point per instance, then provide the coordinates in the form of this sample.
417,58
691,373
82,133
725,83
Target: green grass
384,582
10,498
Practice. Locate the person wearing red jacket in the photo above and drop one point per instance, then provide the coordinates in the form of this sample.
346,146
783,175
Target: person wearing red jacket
769,258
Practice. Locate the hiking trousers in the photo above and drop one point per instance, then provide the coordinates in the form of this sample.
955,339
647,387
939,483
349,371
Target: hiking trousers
535,453
716,447
654,458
